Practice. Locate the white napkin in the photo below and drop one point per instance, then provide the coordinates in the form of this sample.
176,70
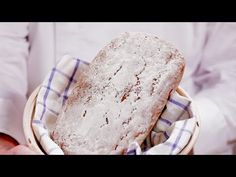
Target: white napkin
170,135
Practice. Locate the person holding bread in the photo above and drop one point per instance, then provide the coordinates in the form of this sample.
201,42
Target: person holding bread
29,50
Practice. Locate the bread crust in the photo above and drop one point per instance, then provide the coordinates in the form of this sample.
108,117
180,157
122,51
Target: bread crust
119,98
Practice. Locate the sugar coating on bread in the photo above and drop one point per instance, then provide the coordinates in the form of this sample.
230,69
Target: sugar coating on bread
120,96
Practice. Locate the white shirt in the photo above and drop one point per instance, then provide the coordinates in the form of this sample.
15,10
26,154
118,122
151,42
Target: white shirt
29,50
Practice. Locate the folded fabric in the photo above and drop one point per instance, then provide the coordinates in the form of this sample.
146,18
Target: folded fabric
170,134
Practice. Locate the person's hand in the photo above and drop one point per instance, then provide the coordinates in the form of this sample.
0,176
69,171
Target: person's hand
18,150
9,146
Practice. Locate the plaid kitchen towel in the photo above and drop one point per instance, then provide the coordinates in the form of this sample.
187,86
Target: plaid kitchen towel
170,135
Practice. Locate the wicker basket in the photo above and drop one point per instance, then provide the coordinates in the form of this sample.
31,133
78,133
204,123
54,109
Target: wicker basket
35,146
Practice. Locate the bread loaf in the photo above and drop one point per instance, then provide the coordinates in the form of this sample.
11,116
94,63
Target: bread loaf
119,98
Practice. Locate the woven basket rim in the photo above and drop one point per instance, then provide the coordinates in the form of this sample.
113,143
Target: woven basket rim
35,145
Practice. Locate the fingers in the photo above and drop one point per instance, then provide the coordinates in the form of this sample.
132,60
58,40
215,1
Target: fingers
20,150
6,142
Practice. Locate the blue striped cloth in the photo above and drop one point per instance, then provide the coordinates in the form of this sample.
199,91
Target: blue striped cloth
170,135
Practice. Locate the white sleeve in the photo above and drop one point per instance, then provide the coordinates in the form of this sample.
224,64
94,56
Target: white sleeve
216,101
13,78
